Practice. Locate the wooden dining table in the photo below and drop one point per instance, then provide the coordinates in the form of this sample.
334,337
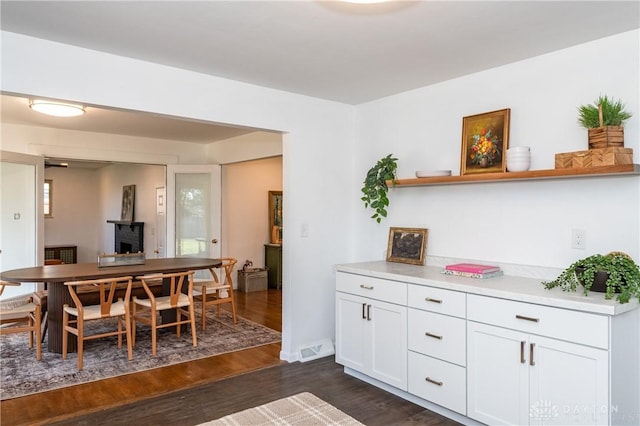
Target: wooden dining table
56,275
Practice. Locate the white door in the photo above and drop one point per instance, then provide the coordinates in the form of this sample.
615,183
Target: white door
194,211
388,324
569,383
497,375
351,331
21,223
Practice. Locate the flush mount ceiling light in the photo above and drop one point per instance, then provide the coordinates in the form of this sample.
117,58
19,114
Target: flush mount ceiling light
58,109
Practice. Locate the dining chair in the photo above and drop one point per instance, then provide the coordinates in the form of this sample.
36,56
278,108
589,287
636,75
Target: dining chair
146,310
25,316
218,290
106,308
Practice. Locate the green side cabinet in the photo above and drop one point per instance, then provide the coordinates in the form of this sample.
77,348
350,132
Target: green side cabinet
273,262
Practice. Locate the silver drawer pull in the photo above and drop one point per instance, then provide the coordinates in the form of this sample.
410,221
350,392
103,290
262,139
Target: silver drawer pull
522,317
435,336
366,287
435,382
428,299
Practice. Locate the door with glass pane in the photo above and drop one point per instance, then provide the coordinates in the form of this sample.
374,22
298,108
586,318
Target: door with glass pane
193,213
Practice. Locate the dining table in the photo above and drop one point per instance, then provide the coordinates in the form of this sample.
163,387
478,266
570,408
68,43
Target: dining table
56,275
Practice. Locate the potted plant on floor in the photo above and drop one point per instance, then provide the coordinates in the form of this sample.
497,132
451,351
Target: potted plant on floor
375,186
604,121
614,273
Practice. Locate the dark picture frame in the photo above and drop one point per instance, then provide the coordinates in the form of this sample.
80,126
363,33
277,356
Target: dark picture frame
485,139
128,200
407,245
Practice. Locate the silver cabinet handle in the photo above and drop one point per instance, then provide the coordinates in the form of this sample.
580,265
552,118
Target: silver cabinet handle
428,299
435,336
522,317
364,305
522,343
368,312
531,361
435,382
366,287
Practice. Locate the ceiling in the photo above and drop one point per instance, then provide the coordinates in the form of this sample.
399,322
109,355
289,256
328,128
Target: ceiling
342,52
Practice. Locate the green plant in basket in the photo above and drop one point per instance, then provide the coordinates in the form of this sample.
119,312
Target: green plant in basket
616,272
613,113
375,186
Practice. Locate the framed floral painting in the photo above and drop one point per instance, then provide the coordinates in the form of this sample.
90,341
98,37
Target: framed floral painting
485,139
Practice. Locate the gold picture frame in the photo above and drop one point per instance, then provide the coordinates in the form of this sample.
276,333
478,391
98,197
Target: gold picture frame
485,139
407,245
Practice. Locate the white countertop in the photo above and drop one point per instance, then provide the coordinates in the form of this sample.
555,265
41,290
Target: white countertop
522,289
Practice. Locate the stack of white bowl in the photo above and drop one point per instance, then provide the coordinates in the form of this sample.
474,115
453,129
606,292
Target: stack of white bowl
518,158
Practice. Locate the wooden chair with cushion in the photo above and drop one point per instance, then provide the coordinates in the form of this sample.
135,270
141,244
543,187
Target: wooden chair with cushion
218,290
106,308
146,310
21,315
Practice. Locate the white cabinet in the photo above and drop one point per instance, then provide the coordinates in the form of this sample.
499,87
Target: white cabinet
371,334
503,351
515,377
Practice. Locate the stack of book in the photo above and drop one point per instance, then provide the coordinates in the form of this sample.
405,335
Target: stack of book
472,270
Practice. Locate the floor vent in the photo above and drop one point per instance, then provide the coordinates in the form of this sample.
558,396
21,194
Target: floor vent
316,350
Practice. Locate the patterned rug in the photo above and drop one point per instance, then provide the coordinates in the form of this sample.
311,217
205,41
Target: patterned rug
303,409
21,374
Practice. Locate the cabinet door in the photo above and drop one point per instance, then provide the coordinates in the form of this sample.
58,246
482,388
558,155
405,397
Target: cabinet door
568,383
388,331
497,375
351,331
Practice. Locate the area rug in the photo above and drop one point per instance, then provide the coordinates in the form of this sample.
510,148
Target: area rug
303,409
23,375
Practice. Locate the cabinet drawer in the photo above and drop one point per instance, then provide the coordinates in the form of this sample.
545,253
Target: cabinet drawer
579,327
374,288
438,381
439,336
437,300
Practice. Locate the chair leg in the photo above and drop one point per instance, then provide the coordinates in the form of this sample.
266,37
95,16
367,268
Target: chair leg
204,311
80,325
192,316
127,326
38,325
154,331
233,308
65,333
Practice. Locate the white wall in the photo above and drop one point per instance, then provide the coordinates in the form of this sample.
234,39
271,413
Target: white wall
245,207
518,222
76,210
317,132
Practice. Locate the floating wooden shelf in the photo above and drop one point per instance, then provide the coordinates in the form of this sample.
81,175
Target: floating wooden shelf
619,170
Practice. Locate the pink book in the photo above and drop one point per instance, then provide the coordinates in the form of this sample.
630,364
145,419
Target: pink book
472,267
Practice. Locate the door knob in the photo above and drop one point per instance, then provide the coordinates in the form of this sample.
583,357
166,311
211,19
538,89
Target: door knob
214,241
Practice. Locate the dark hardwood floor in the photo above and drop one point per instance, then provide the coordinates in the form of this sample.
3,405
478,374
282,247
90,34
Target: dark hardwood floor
198,391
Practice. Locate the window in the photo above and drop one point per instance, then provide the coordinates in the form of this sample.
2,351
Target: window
48,198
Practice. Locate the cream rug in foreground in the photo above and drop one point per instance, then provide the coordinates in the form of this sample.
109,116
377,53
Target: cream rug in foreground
303,409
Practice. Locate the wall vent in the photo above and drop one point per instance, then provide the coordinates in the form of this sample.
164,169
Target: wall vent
316,350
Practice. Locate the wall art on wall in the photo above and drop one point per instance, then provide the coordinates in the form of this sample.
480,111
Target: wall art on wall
128,199
485,139
407,245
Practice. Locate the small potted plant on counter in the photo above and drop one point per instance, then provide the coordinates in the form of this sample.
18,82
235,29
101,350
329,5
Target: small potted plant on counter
604,121
375,186
613,273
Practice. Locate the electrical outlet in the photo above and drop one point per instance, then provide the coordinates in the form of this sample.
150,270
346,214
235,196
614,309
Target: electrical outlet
578,239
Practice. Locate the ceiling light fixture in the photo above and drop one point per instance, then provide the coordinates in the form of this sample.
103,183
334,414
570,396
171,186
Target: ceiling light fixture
58,109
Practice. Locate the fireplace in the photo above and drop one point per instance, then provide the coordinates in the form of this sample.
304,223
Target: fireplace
129,236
